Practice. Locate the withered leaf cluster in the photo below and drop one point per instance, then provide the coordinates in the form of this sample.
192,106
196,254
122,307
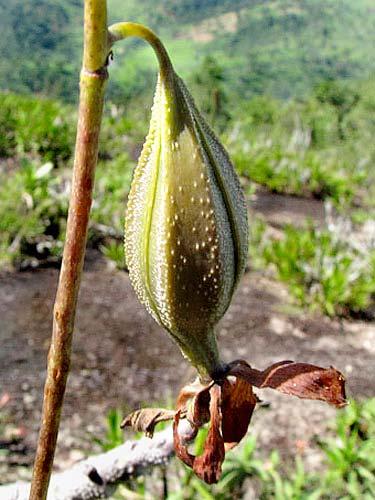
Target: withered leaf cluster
228,404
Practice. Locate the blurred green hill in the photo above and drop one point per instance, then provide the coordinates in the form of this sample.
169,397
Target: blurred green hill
278,47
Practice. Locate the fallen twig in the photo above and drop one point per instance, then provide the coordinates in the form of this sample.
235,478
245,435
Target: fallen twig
97,476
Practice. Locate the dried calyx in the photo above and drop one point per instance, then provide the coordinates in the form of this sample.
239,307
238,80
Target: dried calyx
186,240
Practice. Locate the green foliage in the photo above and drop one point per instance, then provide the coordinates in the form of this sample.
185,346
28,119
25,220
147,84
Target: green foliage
296,43
257,242
325,269
341,97
42,128
240,466
211,94
33,211
195,10
351,453
114,434
296,148
296,171
274,47
349,462
8,142
114,251
40,47
260,110
38,134
297,485
112,185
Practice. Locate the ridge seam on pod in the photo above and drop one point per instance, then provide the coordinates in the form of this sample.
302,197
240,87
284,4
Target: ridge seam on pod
148,230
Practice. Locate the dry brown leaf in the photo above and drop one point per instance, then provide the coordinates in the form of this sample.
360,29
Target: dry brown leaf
145,420
194,400
180,448
298,379
237,406
208,465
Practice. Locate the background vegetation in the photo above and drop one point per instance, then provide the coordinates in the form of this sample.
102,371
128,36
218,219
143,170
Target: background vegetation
279,47
290,87
298,147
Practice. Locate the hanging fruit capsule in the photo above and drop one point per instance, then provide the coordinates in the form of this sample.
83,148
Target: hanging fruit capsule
186,231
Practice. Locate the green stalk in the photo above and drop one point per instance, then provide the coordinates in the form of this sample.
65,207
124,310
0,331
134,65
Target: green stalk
120,31
92,84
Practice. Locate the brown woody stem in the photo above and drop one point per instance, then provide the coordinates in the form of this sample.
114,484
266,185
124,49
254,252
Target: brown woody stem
92,83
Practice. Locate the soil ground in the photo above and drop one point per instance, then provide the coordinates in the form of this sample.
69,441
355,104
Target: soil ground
122,358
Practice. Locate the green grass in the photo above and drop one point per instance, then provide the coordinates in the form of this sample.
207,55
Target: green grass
114,435
349,462
33,210
111,187
325,269
115,252
297,172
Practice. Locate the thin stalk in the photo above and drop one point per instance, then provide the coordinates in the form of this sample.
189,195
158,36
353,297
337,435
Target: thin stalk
120,31
92,83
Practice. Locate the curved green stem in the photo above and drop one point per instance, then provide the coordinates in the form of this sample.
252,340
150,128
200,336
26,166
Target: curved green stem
120,31
203,354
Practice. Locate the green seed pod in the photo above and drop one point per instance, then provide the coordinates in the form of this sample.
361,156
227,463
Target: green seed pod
186,232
